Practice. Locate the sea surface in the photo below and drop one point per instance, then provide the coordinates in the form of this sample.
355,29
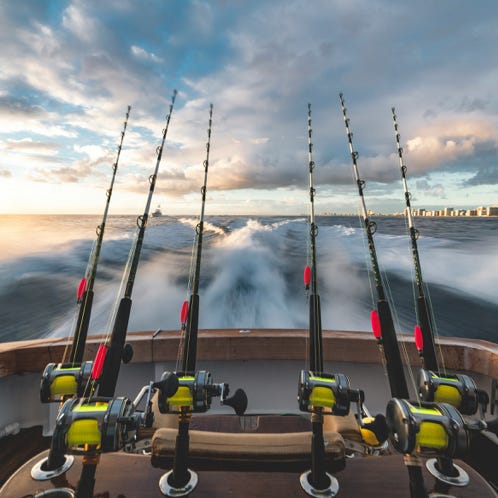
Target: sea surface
251,273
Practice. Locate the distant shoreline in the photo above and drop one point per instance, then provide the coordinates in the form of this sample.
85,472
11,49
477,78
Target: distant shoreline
392,215
344,215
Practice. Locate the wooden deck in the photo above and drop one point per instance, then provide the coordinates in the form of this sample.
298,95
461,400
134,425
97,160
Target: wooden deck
131,475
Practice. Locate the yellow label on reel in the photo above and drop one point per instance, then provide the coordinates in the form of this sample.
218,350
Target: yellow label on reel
97,406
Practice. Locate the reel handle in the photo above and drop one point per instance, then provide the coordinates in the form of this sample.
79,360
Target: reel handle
167,386
238,401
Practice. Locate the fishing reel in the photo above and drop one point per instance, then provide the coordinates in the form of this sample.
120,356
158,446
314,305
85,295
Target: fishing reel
90,426
458,390
102,425
196,391
87,427
430,429
63,380
98,425
333,394
330,391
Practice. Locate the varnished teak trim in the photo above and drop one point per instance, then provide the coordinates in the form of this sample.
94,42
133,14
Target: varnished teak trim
258,344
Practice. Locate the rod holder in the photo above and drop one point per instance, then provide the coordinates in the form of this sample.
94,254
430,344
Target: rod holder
331,490
168,490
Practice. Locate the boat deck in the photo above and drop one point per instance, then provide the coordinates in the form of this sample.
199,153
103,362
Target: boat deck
131,475
231,355
121,475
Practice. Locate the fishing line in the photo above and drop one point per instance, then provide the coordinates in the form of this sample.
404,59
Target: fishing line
92,382
190,310
402,344
435,327
112,348
381,317
181,345
425,318
368,268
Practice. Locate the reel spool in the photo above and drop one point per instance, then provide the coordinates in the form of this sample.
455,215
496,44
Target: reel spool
331,391
62,380
458,390
196,391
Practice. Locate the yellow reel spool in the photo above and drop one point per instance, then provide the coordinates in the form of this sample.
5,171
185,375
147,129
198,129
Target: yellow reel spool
432,435
183,395
63,385
322,396
86,431
448,394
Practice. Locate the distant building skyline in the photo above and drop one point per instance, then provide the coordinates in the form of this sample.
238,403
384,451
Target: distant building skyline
450,211
447,211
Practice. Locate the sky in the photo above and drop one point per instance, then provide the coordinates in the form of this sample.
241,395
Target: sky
69,69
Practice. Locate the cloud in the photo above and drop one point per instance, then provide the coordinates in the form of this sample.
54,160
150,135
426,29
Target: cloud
95,153
450,144
485,176
140,53
69,72
435,190
66,174
31,146
13,107
81,23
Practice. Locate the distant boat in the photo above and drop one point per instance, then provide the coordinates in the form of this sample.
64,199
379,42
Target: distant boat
157,212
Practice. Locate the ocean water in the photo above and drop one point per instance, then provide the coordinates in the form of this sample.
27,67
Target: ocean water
251,275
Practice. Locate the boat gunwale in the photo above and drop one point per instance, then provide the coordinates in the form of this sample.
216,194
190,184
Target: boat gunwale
473,355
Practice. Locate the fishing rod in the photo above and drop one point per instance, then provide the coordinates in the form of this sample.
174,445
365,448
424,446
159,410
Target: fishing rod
94,424
85,288
315,316
425,325
191,309
317,479
382,320
321,393
196,388
113,351
443,396
115,347
63,380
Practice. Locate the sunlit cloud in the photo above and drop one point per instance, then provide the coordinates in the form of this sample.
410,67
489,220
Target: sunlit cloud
30,146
